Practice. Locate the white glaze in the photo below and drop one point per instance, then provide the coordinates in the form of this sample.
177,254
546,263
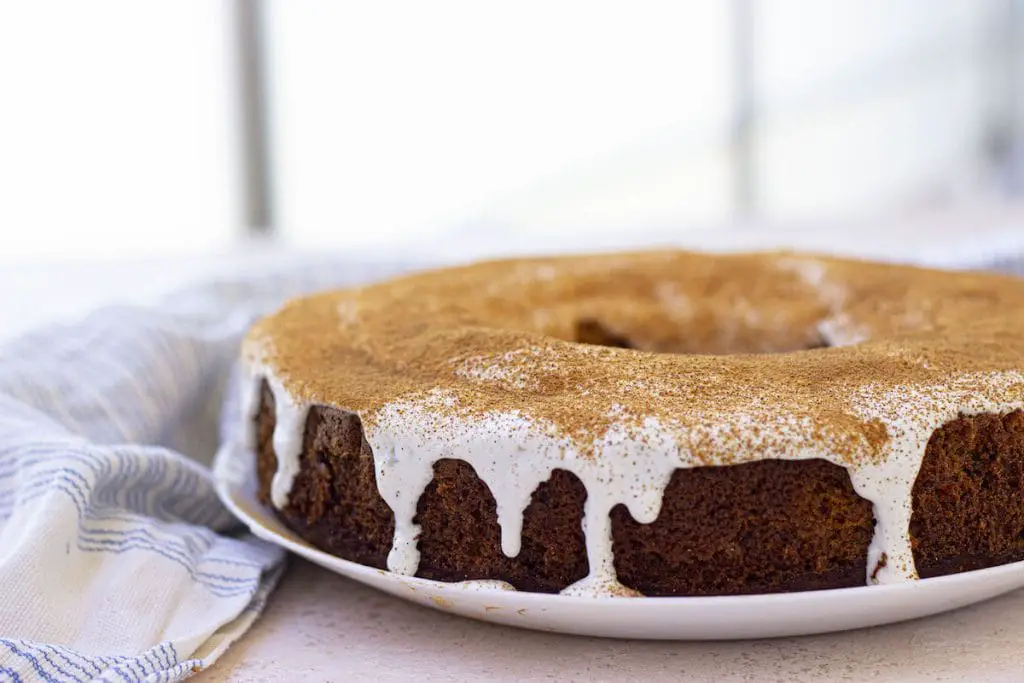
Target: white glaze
289,431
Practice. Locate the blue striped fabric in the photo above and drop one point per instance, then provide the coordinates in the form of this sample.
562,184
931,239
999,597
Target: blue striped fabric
117,561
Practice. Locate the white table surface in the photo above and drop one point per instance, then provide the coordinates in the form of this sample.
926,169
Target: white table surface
320,627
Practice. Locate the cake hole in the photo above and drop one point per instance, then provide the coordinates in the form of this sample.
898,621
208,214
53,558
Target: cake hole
820,343
591,331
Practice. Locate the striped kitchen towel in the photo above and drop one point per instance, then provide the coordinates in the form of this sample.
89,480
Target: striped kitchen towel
117,561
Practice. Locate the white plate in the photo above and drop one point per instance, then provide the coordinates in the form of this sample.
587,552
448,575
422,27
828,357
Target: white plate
704,618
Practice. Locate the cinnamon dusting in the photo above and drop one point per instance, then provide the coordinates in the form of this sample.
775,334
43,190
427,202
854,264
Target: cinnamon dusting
718,359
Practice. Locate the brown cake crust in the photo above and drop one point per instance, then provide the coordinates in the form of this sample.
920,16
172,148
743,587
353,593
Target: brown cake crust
334,504
759,527
969,496
461,538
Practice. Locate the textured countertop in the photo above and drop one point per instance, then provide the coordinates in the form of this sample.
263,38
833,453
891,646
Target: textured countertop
321,627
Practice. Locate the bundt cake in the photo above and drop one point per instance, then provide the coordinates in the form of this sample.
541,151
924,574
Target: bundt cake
658,423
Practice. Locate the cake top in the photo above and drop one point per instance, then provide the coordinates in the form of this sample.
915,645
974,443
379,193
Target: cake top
729,354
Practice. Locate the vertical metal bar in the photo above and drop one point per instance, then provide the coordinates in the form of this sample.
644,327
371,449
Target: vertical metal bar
1015,82
1003,103
745,189
257,187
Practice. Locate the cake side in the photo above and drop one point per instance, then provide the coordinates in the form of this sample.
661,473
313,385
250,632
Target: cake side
969,496
460,537
334,503
762,527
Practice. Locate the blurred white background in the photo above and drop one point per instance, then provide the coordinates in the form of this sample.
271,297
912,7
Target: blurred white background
162,127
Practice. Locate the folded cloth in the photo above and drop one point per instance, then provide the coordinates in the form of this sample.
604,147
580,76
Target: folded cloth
117,560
